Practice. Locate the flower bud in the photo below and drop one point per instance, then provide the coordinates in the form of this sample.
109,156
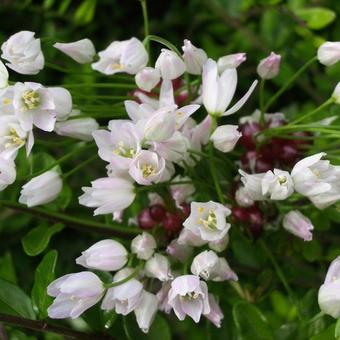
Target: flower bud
225,137
181,252
204,264
147,78
7,172
143,246
269,67
158,267
253,185
215,315
77,128
42,189
336,94
194,57
170,65
106,255
230,61
298,224
242,198
82,51
277,184
329,53
146,310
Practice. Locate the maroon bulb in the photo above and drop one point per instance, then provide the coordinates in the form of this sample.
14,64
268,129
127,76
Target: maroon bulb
186,209
157,212
248,131
145,220
172,222
240,214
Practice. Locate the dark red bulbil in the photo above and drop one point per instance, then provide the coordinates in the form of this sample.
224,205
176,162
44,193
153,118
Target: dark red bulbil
145,220
172,222
248,131
239,214
253,161
186,209
157,212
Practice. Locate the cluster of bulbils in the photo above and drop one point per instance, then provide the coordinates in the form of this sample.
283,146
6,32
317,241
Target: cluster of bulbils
159,137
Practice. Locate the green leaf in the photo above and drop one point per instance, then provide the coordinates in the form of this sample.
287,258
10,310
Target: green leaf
312,251
7,270
159,329
337,329
37,239
85,12
14,301
44,275
327,334
250,322
316,17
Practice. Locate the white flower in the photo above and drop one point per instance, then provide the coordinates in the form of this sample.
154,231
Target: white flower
158,266
298,224
329,53
253,185
215,315
147,78
79,128
218,91
23,53
194,57
127,56
106,255
188,238
181,252
219,245
7,172
269,67
181,192
42,189
242,197
277,184
230,61
208,220
225,137
143,246
3,75
146,310
82,51
170,65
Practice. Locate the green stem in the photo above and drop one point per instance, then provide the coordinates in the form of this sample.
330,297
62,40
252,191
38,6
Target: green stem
288,84
126,279
100,85
79,166
146,23
162,41
238,289
261,100
214,174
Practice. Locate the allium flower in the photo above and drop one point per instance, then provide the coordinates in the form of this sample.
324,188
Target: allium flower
329,53
158,266
7,172
269,67
108,195
106,255
170,65
253,185
180,252
181,192
216,315
143,246
82,51
242,198
225,137
230,61
189,296
298,224
188,238
208,220
42,189
23,53
74,294
162,297
277,184
6,101
125,297
127,56
329,292
218,90
194,57
146,310
3,75
147,78
80,128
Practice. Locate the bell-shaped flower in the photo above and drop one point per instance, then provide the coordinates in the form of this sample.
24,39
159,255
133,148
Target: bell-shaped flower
41,189
23,53
242,197
147,78
269,67
79,128
127,56
7,172
124,297
162,297
230,61
62,101
298,224
277,184
208,220
74,294
3,76
109,195
189,238
158,267
223,272
253,185
105,255
6,101
188,295
204,263
218,90
180,252
181,193
170,65
225,137
194,57
82,51
146,310
215,315
329,53
143,246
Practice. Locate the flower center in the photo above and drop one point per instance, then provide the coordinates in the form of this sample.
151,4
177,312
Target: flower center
123,151
13,139
210,222
117,66
191,296
282,180
31,99
148,170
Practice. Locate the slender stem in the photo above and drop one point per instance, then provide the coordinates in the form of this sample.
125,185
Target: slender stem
261,99
100,85
288,83
74,222
316,317
79,166
126,279
146,23
238,289
214,174
162,41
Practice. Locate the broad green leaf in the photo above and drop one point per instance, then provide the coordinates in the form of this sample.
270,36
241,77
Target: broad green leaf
44,275
14,301
316,17
250,322
85,12
159,329
7,270
327,334
37,239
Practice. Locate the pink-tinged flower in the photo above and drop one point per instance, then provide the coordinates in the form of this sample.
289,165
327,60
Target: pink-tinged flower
208,220
219,245
125,297
269,67
230,61
253,185
74,294
23,53
198,135
162,297
7,172
218,90
242,198
147,168
223,272
41,189
106,255
127,56
298,224
181,193
188,238
3,76
189,296
147,78
108,195
146,310
180,252
170,65
194,57
277,184
80,128
215,315
329,292
143,246
158,267
329,53
225,137
82,51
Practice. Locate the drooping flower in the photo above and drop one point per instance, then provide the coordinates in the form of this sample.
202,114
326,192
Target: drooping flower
170,65
298,224
143,246
277,184
215,315
182,193
230,61
225,137
146,310
269,67
194,57
180,252
3,76
158,267
329,53
7,172
253,185
147,78
242,197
